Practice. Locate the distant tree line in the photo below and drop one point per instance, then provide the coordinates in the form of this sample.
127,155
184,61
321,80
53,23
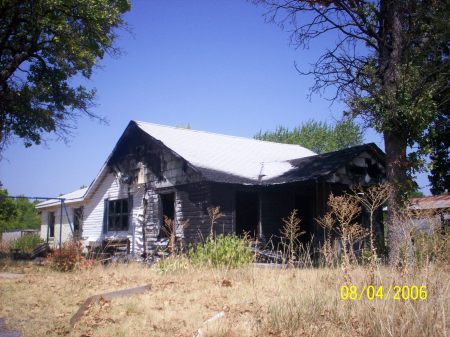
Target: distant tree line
317,136
17,213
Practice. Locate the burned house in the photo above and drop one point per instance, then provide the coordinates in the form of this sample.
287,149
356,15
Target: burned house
156,171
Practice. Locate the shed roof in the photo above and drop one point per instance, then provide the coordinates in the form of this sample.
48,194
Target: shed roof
313,167
431,202
69,198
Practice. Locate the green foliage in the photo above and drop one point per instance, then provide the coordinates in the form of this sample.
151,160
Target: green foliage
319,137
222,251
27,243
8,210
437,141
415,194
44,45
17,213
409,98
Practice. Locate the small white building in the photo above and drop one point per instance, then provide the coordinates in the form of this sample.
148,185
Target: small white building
431,212
62,218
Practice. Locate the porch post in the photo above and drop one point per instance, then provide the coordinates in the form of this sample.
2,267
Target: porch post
48,227
68,220
260,231
60,224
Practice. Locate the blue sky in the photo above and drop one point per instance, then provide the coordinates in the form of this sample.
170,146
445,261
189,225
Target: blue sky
213,64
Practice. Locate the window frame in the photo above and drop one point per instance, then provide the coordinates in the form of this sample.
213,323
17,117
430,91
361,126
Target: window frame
115,225
78,219
51,219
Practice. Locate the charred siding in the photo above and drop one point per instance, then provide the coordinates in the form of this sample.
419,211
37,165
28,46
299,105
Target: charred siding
192,205
223,195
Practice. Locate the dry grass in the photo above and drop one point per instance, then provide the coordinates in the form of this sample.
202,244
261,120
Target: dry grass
256,302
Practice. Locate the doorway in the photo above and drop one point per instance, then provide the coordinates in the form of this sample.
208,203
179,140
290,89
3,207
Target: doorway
305,207
167,214
247,213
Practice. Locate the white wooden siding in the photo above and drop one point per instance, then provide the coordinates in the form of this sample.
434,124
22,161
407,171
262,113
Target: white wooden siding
111,188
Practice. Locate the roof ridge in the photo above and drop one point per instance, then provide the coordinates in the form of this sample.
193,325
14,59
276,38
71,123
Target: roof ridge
218,134
432,196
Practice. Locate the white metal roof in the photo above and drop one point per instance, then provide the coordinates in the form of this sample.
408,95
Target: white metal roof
71,197
244,157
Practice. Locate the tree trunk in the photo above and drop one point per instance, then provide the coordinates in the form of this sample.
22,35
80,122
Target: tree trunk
395,140
396,165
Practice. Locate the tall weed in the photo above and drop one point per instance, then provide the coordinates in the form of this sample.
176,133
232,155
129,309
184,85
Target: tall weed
222,251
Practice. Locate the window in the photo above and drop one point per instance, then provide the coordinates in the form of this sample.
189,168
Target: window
118,215
77,220
51,224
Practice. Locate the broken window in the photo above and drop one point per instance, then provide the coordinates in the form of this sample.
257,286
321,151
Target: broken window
77,221
118,215
247,213
167,214
51,224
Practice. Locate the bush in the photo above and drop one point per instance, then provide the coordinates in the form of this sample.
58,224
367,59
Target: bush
27,243
222,251
67,258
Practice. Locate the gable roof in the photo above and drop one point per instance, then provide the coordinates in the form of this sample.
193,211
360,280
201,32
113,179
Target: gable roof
219,157
69,198
238,160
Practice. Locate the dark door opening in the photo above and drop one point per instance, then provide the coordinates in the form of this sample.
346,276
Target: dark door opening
247,213
167,213
305,207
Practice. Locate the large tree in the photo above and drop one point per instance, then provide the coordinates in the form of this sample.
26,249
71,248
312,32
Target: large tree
319,137
46,46
387,64
437,142
436,139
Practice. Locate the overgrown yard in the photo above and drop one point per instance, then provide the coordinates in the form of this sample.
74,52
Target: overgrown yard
256,302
